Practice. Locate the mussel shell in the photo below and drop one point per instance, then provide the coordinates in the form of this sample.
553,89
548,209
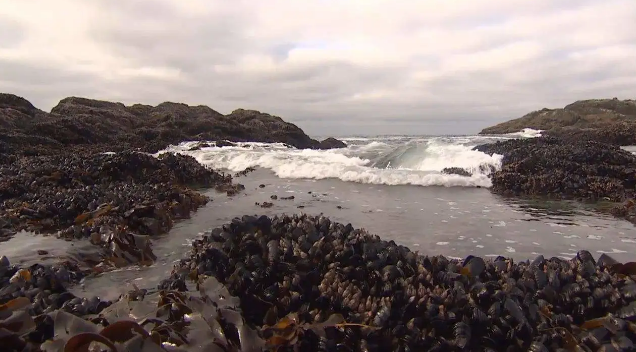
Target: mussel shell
606,261
461,334
627,312
536,346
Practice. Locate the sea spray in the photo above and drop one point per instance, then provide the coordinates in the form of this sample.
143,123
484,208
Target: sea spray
387,161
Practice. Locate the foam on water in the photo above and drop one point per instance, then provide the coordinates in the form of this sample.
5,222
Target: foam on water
526,133
385,161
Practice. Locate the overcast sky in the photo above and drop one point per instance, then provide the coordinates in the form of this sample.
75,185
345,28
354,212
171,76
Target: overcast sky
333,67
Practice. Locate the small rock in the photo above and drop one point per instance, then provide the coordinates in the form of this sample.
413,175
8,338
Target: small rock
456,171
42,252
152,225
223,143
332,143
198,146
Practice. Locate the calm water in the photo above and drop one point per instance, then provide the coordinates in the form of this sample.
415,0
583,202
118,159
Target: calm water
432,220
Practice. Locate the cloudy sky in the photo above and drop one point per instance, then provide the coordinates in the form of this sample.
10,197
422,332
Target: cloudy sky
332,67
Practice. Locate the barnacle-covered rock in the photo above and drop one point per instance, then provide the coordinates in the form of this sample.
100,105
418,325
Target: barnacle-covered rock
305,269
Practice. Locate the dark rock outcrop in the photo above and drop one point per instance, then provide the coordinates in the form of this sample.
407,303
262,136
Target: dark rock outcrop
311,284
620,133
307,269
603,120
79,121
563,169
456,171
332,143
81,194
484,169
222,144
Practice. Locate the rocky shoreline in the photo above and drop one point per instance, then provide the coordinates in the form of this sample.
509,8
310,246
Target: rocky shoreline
305,282
560,168
86,171
577,156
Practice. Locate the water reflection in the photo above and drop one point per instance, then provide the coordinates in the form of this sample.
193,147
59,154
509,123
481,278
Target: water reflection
562,212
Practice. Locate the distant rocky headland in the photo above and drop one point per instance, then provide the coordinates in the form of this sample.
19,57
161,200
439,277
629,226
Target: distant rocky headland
25,129
610,121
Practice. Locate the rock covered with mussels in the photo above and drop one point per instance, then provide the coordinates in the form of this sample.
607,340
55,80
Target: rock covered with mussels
547,166
295,270
307,283
117,200
78,194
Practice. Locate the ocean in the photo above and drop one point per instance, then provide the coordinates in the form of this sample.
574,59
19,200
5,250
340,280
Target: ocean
393,187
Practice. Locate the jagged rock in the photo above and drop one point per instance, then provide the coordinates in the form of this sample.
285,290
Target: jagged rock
559,168
222,144
114,126
78,193
456,171
198,146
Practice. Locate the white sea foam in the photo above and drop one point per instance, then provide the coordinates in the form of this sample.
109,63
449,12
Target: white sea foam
420,165
370,146
526,133
613,251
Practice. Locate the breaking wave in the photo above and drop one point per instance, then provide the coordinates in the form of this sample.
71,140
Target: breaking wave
526,133
395,161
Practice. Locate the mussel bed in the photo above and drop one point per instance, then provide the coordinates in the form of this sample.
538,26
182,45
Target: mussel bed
301,282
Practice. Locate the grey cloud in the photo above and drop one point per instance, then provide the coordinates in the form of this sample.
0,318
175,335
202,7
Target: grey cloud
45,86
11,32
153,35
317,94
20,72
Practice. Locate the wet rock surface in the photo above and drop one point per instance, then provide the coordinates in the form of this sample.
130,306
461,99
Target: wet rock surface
27,130
332,143
307,283
292,272
485,169
456,171
30,299
563,169
78,194
118,201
